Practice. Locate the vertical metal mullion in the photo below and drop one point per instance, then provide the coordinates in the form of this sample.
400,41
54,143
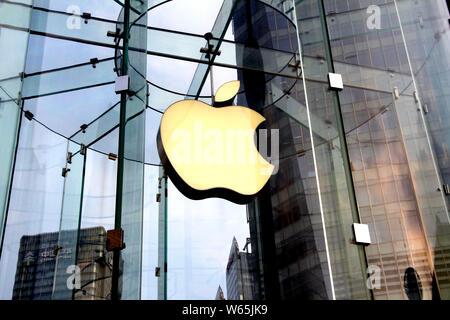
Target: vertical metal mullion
341,131
121,155
60,222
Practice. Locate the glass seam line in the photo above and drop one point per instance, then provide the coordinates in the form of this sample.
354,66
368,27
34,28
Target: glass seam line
333,294
60,224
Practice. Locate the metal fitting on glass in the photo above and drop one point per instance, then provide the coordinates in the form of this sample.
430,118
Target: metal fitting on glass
65,171
86,16
112,156
82,149
361,233
83,127
122,84
335,81
94,62
69,157
396,93
29,115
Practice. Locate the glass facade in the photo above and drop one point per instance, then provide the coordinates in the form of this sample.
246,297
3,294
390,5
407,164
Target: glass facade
80,157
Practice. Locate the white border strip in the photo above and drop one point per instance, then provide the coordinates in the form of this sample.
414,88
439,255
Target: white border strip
333,294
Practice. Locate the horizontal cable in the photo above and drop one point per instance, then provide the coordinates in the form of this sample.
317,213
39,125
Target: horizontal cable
66,67
68,90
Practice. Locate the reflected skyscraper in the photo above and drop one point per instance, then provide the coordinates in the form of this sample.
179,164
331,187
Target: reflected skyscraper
39,255
219,294
373,149
241,275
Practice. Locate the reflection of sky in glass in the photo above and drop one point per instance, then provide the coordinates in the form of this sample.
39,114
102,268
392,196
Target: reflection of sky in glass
200,232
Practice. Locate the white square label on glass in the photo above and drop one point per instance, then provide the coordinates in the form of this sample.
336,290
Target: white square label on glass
362,234
335,80
122,84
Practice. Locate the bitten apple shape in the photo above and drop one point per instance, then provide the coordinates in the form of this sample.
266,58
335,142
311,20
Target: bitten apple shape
211,152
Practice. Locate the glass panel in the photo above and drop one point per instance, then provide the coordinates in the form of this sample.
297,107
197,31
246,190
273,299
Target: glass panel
95,30
187,46
394,169
374,153
34,211
97,8
200,234
66,118
98,216
9,14
74,53
67,249
14,45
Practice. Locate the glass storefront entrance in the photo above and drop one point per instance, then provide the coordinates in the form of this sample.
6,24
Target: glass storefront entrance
81,167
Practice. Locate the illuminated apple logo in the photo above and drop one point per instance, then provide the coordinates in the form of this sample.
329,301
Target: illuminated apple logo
210,151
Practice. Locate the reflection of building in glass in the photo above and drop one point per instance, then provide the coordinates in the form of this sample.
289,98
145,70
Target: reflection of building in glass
390,168
241,275
38,259
219,294
398,187
283,201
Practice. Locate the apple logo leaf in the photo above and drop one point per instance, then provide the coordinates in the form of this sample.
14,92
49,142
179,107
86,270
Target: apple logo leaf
226,93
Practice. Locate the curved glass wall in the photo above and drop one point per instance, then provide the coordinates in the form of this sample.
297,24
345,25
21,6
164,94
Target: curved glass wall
81,160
